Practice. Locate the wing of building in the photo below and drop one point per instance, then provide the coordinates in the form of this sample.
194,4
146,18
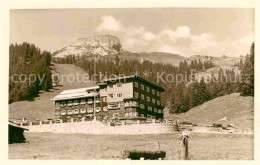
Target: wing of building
118,98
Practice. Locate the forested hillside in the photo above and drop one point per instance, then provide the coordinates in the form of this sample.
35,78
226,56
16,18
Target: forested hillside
179,96
27,61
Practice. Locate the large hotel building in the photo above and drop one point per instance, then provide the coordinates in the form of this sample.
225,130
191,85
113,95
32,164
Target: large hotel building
129,97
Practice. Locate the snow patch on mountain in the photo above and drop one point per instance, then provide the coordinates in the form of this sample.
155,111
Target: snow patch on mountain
101,45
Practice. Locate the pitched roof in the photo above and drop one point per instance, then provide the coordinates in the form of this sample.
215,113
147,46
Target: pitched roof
75,93
10,123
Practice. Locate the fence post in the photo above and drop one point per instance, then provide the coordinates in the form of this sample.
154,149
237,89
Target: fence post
185,146
153,120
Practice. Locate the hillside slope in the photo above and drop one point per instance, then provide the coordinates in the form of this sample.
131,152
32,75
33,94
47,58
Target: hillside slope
41,107
230,109
162,57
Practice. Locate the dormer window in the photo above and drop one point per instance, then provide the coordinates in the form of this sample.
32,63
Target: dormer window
63,104
82,102
76,102
70,103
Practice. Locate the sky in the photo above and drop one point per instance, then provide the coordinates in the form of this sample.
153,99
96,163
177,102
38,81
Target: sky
184,31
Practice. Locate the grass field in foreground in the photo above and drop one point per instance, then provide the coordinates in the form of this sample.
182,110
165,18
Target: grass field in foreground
83,146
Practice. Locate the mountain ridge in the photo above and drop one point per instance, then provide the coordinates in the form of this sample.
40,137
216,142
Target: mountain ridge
109,45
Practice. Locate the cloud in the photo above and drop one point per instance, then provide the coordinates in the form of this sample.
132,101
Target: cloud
179,40
109,23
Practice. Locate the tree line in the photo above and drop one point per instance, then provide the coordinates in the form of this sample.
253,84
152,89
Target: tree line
27,61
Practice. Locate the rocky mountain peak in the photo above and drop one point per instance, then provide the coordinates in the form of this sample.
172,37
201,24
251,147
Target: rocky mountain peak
94,45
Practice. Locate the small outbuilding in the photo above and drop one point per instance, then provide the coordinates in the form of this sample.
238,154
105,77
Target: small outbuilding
16,133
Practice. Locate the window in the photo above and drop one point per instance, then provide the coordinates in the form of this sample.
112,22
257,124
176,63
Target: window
90,110
76,111
155,109
83,110
142,106
97,109
115,115
119,95
148,99
136,95
119,85
158,102
142,96
110,86
76,102
142,87
113,105
82,102
153,101
70,112
158,94
147,89
63,112
136,84
63,104
111,95
70,103
153,91
142,115
135,114
90,101
159,111
105,99
150,109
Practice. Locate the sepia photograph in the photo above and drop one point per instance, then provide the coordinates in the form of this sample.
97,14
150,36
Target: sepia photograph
137,83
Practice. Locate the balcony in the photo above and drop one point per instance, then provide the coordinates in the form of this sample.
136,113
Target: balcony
63,112
98,109
97,101
76,102
63,104
70,112
90,101
70,103
131,104
76,111
83,110
113,106
82,102
90,110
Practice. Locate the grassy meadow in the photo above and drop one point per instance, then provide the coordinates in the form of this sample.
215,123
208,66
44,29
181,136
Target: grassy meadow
87,147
